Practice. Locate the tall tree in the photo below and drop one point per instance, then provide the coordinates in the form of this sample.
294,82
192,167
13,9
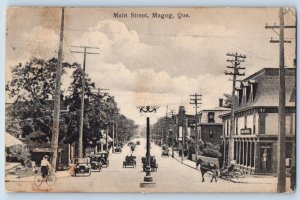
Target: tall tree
32,87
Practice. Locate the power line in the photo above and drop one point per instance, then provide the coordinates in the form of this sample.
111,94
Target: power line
196,99
236,60
84,52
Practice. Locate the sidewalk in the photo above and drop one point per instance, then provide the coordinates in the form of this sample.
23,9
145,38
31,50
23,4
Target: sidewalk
185,161
15,178
249,179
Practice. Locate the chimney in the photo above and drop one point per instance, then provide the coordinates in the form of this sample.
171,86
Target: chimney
220,102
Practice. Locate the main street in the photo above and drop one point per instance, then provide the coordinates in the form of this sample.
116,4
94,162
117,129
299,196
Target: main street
172,176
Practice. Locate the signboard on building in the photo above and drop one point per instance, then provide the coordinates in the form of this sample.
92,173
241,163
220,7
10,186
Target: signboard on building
180,133
246,131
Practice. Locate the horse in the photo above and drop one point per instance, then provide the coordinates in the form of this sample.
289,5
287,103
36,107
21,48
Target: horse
207,167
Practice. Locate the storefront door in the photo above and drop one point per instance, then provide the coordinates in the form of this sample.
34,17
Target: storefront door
265,159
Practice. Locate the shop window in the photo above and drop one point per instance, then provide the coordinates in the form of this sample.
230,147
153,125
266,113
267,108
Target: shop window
211,133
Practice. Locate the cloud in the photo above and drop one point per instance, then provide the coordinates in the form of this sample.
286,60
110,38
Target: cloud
162,69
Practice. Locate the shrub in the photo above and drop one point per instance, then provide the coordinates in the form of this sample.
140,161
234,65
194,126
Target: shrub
21,152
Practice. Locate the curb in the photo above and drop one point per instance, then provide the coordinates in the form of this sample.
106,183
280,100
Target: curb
233,181
184,163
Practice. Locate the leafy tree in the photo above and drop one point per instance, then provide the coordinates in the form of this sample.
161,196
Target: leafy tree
227,101
21,152
32,87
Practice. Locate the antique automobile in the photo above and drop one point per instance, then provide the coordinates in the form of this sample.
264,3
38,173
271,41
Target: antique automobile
95,162
82,166
104,158
129,161
165,150
118,149
153,163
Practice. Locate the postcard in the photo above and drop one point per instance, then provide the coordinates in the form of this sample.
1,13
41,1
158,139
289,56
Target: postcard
150,100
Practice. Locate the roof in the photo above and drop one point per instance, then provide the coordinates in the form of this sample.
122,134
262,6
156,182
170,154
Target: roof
267,92
216,109
11,140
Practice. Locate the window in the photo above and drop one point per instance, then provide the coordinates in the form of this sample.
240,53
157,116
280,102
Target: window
211,133
240,93
247,93
245,122
254,89
227,126
211,117
254,122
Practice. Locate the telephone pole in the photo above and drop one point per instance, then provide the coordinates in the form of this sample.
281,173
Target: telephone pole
281,146
173,134
236,61
195,99
56,109
166,129
84,52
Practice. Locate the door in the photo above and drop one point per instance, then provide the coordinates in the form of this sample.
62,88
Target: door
265,159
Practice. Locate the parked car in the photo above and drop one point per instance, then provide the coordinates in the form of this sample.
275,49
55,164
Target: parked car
82,166
95,161
104,158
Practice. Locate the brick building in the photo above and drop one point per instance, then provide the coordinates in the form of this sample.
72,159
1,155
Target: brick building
256,121
210,127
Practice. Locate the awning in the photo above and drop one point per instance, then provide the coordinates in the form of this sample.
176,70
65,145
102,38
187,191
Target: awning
109,139
11,140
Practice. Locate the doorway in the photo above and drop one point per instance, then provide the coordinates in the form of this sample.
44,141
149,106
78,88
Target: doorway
265,158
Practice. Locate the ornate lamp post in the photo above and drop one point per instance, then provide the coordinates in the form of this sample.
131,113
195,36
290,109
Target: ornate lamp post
148,180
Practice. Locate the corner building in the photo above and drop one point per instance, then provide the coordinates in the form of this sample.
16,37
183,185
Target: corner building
256,122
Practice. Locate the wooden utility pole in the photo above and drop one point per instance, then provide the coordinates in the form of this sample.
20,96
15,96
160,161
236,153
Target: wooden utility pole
173,134
281,145
281,149
195,99
166,129
56,110
238,59
80,139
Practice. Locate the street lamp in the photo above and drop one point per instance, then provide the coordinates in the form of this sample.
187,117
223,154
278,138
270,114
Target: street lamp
148,180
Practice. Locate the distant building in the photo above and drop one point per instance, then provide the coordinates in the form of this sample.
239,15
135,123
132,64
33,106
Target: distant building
210,127
256,121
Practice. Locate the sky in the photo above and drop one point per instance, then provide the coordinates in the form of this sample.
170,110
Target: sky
152,61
